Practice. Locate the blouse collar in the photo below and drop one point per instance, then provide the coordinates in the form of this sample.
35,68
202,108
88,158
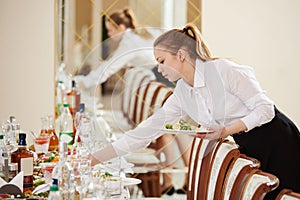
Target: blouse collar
199,79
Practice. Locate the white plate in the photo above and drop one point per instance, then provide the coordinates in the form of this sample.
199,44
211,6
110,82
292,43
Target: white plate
188,132
131,181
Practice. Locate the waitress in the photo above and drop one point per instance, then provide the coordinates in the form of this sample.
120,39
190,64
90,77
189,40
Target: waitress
224,96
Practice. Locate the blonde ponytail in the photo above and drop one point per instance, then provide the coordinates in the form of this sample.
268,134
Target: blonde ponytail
188,37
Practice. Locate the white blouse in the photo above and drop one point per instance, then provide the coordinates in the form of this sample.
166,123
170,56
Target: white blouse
223,93
133,50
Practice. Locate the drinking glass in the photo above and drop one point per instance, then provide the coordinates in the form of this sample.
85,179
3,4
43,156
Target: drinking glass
41,144
82,174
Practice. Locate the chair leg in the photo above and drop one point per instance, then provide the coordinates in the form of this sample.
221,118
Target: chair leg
150,184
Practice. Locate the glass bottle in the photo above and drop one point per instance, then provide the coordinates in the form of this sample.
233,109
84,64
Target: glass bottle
73,98
24,158
12,170
54,193
60,94
44,127
63,174
66,130
53,144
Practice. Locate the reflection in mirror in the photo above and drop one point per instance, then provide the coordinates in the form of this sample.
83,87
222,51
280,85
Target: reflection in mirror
82,36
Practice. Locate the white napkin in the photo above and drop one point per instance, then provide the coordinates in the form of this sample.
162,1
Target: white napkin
17,181
41,188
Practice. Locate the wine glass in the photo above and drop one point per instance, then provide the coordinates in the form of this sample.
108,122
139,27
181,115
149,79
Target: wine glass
82,175
10,131
83,129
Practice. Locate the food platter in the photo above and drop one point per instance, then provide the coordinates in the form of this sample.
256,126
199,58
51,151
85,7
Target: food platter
201,130
131,181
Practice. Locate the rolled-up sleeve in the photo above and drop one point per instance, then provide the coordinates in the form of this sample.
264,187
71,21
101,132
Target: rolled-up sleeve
244,85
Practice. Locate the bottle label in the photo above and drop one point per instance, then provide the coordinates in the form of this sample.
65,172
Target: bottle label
66,137
58,107
28,182
27,166
72,101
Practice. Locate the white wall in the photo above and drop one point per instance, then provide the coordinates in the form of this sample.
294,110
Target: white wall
27,61
263,34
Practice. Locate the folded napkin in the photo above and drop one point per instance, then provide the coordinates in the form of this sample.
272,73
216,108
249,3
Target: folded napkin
14,187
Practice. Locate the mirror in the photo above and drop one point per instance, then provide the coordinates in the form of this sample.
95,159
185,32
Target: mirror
81,32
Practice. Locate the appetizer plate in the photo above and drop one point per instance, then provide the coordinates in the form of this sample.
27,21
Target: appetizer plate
201,130
131,181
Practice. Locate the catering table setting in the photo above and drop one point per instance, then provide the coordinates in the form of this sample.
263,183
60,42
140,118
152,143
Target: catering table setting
103,181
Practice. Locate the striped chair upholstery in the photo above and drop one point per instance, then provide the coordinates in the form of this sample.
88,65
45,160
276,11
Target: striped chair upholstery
208,165
237,173
141,78
133,77
153,97
257,185
287,194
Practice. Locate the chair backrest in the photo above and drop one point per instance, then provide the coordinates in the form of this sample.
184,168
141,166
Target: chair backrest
208,165
239,169
257,185
131,81
142,78
197,152
287,194
224,154
152,96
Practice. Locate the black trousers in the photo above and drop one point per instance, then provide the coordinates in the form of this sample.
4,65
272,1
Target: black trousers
277,146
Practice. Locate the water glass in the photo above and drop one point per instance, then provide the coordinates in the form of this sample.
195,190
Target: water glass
41,144
82,174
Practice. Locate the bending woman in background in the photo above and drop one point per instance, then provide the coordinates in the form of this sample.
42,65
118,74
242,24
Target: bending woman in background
223,95
134,48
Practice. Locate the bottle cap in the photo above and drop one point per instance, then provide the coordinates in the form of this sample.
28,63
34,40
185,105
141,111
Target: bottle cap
22,139
66,105
73,83
22,135
1,137
81,107
53,188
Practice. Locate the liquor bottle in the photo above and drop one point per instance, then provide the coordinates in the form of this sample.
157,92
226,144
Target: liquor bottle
60,94
54,193
24,158
44,128
66,133
63,174
73,99
53,144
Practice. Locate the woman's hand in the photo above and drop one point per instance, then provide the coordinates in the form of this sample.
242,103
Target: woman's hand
216,133
94,161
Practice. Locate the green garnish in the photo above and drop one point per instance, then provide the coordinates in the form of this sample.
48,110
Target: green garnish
169,126
106,174
49,159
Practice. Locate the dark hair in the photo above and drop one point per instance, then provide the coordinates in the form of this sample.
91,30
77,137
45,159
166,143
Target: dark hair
189,38
128,19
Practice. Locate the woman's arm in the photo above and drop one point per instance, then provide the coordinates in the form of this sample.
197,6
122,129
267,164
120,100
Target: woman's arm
244,85
143,135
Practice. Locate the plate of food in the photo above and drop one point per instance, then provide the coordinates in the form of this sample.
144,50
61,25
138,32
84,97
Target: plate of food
131,181
182,127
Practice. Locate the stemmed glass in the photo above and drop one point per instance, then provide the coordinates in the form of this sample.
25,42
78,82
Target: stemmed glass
82,123
83,175
10,130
